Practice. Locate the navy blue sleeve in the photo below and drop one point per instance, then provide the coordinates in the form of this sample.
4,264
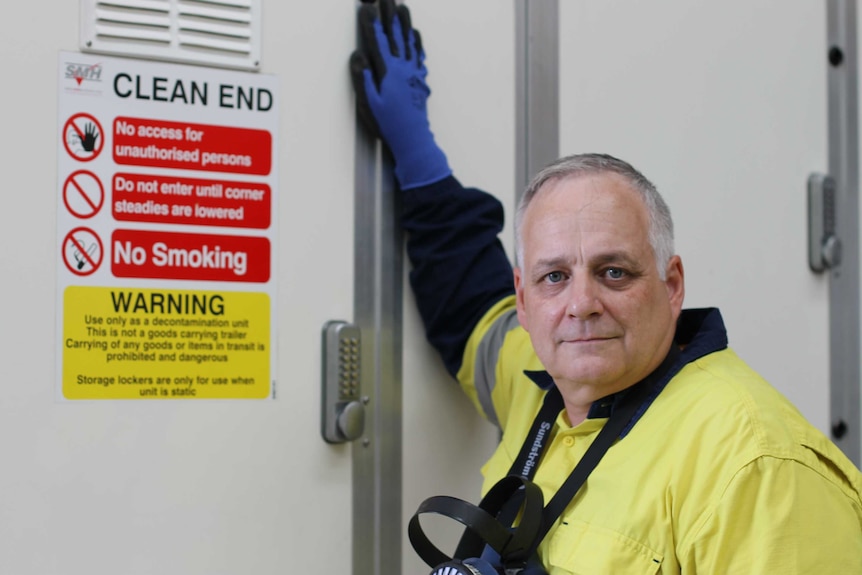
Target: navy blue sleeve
459,267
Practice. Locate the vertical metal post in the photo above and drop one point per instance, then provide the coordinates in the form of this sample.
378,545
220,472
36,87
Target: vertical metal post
537,113
844,293
377,309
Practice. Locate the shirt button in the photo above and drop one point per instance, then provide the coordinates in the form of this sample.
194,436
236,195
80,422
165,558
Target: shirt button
568,441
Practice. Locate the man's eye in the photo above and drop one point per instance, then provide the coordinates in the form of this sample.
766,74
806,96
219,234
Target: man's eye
615,273
554,277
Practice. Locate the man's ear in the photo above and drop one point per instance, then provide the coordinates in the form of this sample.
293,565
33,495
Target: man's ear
675,284
519,297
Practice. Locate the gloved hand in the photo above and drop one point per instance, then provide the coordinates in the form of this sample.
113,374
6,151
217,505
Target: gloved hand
388,75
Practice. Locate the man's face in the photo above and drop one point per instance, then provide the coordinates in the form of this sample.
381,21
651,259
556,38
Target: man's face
588,291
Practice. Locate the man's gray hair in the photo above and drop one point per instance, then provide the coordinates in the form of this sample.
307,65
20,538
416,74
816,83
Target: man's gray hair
660,222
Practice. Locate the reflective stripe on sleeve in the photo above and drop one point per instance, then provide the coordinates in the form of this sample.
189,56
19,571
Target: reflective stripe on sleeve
487,354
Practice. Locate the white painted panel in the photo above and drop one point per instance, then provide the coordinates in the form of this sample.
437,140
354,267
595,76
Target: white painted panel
234,487
194,488
723,106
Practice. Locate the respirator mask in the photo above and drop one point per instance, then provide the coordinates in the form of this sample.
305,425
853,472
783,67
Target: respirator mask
490,544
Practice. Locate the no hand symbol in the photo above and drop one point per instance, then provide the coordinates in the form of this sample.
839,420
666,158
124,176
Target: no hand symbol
83,137
82,251
83,194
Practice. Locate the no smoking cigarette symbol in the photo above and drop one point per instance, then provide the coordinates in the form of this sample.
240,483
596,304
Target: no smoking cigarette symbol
82,251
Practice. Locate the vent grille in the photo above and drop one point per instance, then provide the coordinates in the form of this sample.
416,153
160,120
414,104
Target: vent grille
224,33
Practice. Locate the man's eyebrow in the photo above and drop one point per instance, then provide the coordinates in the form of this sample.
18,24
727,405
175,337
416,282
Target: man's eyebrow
550,263
544,265
617,257
620,257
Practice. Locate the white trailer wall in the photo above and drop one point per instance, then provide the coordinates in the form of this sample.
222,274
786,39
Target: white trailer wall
721,104
470,47
205,487
214,487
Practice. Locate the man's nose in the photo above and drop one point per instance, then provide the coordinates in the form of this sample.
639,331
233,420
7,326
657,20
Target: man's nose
583,297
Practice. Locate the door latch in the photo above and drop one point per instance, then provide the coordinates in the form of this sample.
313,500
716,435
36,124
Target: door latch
342,408
824,246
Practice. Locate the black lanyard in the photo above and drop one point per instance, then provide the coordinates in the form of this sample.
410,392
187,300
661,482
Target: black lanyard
490,523
538,438
540,433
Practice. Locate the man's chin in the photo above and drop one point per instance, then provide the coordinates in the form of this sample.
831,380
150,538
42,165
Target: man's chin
589,372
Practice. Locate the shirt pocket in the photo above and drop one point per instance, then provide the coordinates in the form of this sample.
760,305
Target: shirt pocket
578,548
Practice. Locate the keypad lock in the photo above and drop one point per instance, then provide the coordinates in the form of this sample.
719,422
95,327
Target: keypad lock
343,412
824,246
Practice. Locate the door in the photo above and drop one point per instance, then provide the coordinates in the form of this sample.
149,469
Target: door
723,106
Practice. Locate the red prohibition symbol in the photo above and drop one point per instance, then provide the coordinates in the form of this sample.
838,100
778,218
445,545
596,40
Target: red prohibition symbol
83,194
82,251
83,137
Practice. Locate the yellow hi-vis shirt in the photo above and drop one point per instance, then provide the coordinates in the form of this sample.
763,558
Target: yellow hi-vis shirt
720,476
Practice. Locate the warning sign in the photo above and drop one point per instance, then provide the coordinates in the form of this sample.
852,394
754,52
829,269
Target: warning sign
165,344
82,251
83,194
143,254
83,137
169,290
147,142
172,199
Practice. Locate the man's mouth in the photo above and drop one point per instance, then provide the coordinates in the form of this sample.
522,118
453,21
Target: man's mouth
593,339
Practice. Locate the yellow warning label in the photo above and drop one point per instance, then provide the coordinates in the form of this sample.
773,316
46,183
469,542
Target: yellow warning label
121,343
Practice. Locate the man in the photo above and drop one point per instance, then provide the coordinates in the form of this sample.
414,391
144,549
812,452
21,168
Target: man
599,300
711,470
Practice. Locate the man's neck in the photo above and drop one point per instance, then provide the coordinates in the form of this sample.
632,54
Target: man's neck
576,414
578,398
578,402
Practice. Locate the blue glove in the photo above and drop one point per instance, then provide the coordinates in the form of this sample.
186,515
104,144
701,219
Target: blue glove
388,76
